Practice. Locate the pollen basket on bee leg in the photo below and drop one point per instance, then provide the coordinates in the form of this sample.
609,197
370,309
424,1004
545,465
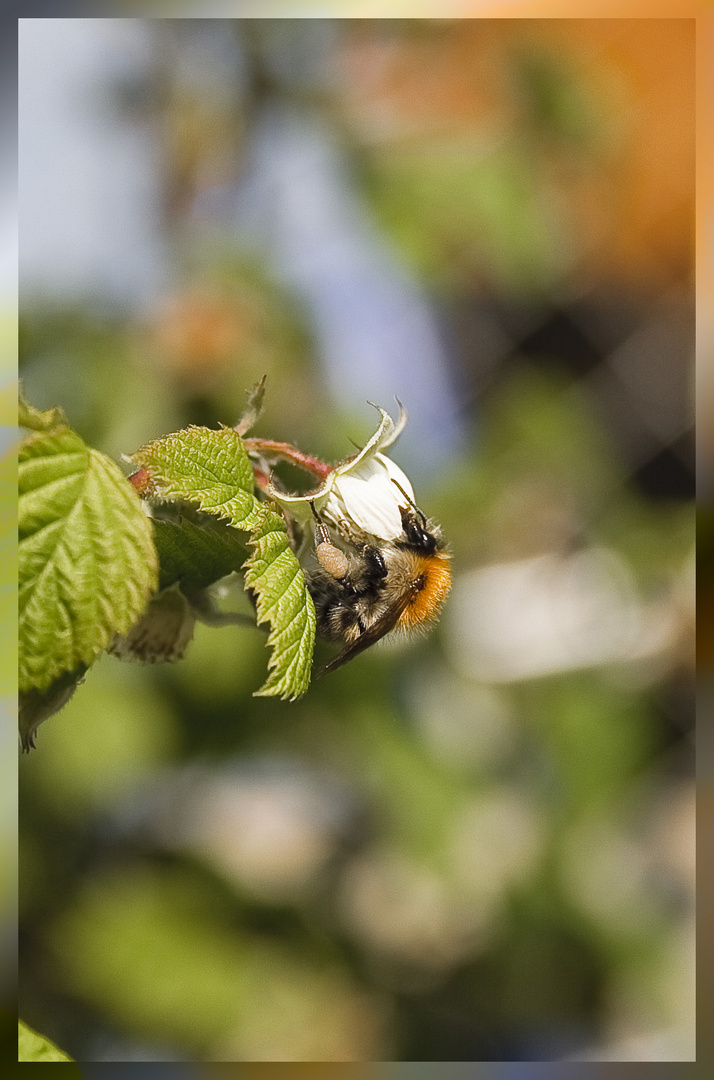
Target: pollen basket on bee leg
332,559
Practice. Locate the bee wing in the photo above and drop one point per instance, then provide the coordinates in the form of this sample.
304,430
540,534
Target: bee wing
381,626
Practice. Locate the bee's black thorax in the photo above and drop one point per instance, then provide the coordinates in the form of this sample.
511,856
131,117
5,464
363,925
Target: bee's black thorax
367,573
346,605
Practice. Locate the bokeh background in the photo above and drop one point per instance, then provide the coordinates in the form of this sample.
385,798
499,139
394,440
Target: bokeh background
478,847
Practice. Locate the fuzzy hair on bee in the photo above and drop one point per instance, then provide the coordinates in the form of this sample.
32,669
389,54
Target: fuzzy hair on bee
380,587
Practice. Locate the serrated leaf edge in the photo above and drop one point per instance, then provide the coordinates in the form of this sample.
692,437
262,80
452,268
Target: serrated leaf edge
175,490
282,680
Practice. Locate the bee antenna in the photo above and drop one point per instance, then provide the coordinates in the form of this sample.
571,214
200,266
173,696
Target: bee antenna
410,501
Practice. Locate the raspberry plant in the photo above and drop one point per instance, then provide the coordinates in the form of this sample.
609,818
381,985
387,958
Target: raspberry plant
98,573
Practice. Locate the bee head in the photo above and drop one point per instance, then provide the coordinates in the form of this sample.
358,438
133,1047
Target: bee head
416,533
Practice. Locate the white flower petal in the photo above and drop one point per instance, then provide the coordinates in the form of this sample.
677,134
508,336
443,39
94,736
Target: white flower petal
367,498
395,473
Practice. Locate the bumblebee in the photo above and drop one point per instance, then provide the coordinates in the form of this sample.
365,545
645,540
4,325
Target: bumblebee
364,591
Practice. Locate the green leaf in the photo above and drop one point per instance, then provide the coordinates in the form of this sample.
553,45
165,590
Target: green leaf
273,574
197,555
34,1047
208,468
87,561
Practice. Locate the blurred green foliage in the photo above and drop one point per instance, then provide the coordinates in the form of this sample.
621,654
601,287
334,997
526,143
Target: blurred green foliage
446,209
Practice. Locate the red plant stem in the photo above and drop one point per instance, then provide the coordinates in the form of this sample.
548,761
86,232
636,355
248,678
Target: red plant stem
271,449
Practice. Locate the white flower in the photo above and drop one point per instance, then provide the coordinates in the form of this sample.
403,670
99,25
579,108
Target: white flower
362,496
366,497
